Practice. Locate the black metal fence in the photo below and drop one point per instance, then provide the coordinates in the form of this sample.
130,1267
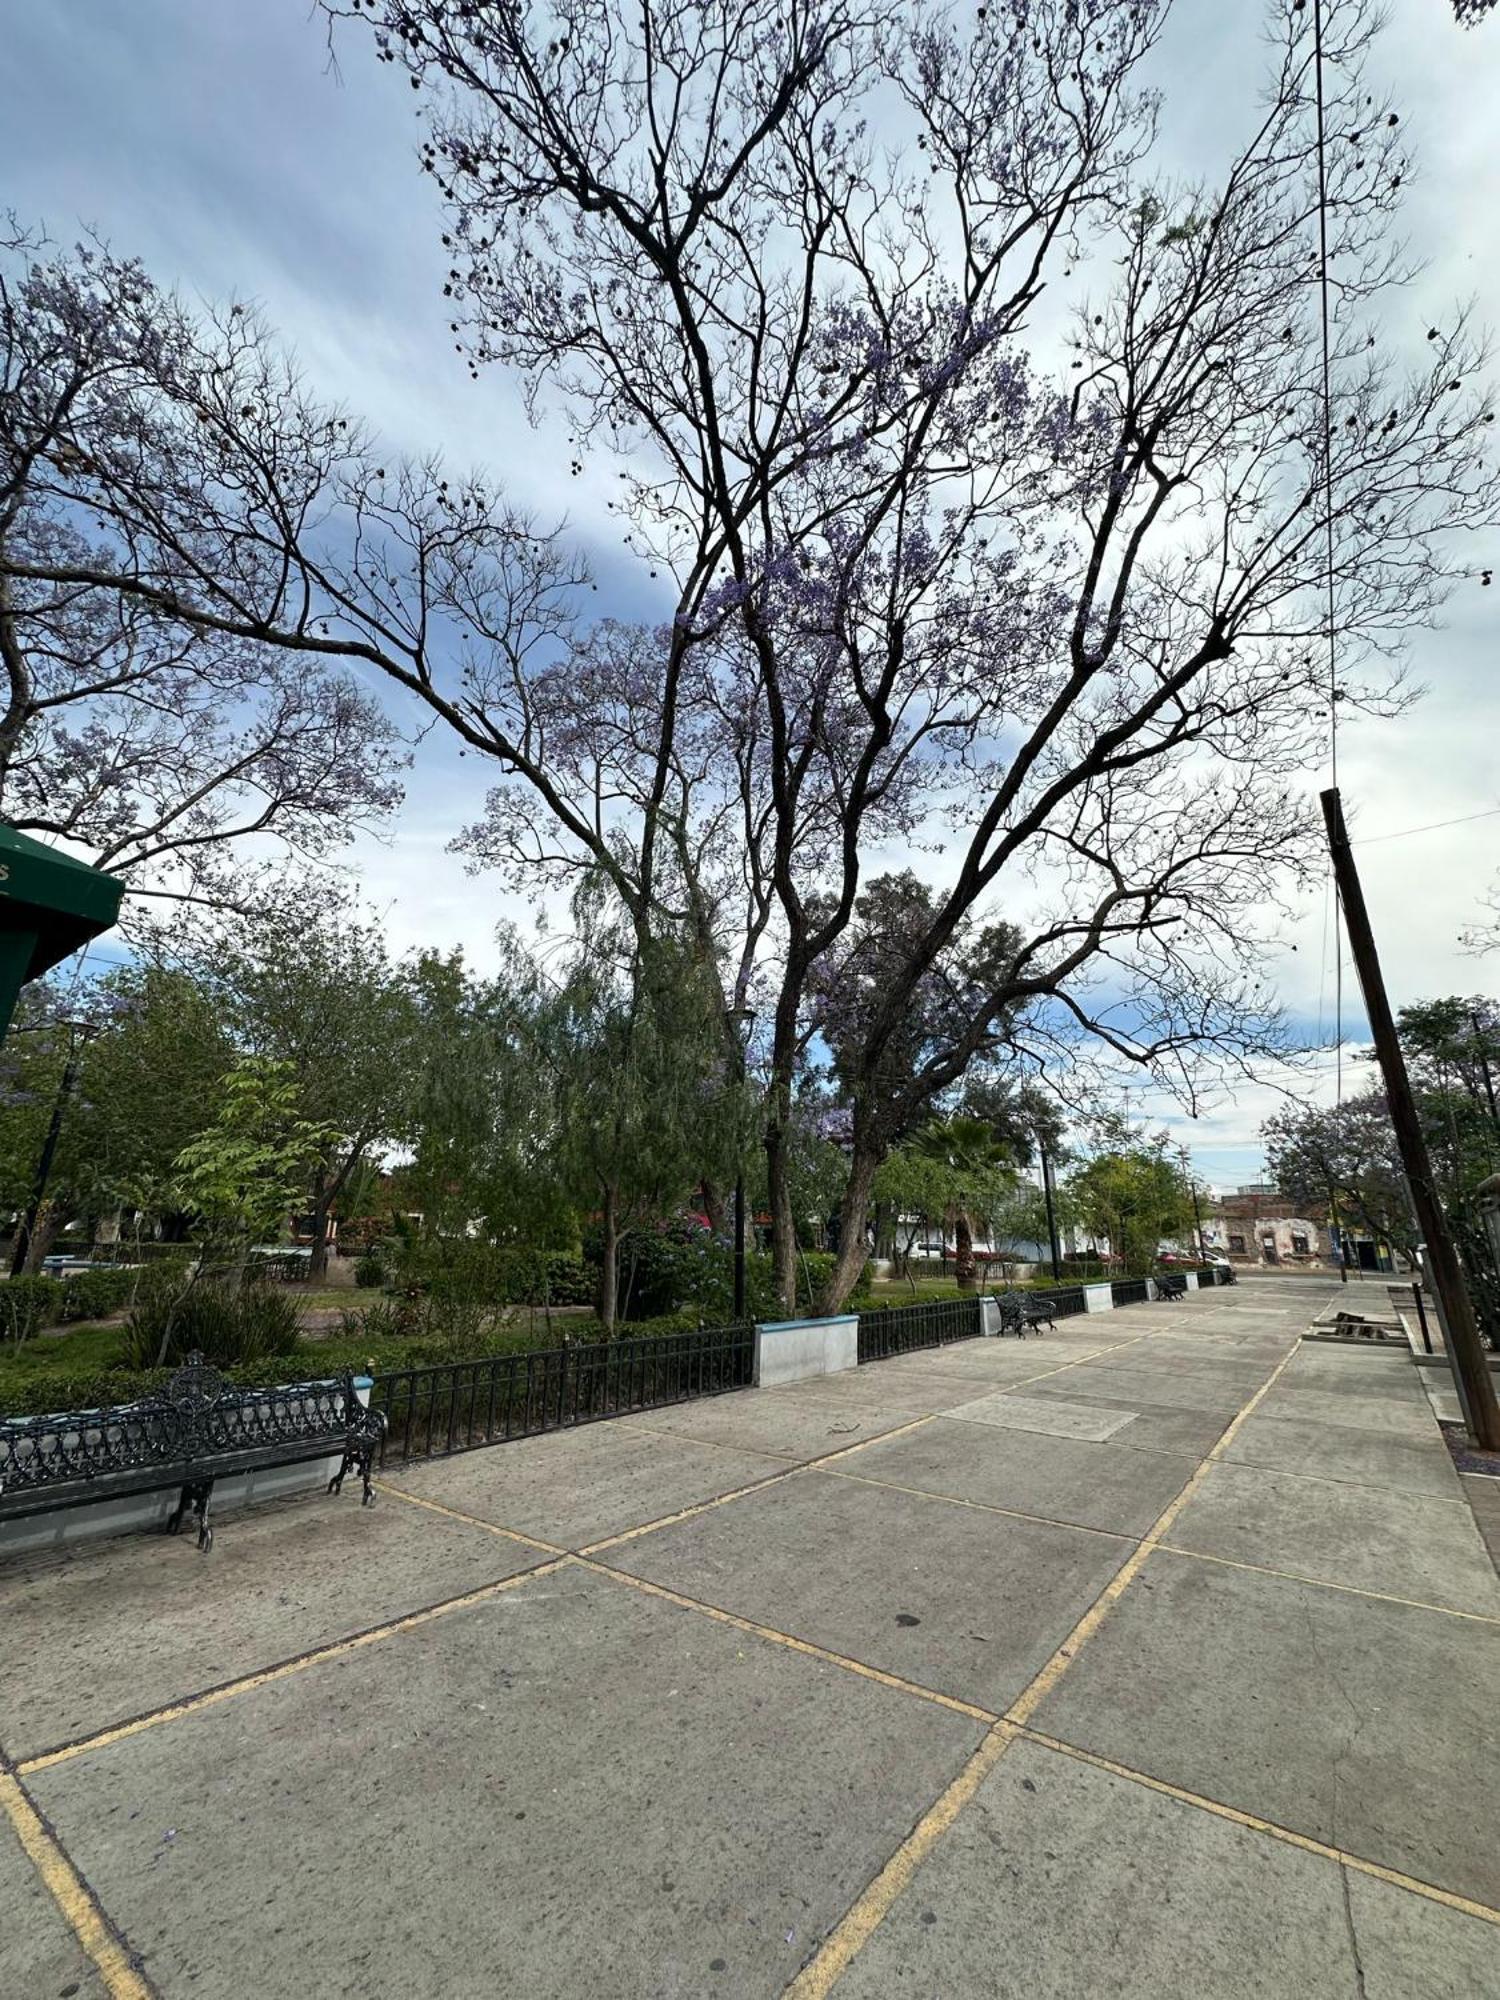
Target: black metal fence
1066,1301
461,1405
1130,1291
892,1330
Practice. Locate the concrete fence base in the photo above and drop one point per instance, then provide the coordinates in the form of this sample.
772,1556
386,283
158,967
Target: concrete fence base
1098,1299
790,1350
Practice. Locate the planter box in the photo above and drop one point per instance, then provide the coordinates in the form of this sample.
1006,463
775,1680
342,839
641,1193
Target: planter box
790,1350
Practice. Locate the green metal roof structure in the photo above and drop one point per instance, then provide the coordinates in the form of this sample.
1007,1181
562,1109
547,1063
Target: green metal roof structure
50,905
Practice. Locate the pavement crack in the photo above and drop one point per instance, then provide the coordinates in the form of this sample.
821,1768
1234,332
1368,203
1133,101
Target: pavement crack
1359,1965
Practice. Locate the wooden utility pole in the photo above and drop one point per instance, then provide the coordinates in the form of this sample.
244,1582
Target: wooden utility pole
1469,1359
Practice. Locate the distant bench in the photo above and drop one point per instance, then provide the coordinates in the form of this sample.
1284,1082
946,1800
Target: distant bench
1172,1287
196,1430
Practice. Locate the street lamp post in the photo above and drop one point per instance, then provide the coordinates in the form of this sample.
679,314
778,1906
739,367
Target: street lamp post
78,1033
1197,1211
740,1021
1053,1244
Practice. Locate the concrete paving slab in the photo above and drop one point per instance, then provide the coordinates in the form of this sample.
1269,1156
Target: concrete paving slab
1395,1416
1122,1491
1360,1722
572,1487
127,1625
879,1389
1154,1428
770,1421
570,1789
1398,1543
968,1603
1338,1451
1048,1414
1169,1391
39,1956
1414,1949
1062,1882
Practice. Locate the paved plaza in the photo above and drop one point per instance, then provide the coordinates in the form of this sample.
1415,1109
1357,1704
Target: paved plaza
1155,1656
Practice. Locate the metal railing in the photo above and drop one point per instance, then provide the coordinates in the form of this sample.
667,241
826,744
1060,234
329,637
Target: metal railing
1130,1291
1065,1299
460,1405
888,1330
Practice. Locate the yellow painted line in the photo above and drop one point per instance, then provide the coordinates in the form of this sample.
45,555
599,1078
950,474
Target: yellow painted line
789,1640
268,1675
1036,1692
1327,1583
864,1917
469,1520
981,1506
827,1459
859,1923
1449,1898
1170,1548
64,1884
742,1492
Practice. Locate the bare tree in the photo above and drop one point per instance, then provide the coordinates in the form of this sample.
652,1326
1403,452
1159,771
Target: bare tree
162,748
1069,629
1057,629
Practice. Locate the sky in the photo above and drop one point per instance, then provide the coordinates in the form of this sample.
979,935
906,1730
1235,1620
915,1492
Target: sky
220,143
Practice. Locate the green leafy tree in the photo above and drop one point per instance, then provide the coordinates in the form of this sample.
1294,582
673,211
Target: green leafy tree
313,987
147,1073
243,1172
1133,1192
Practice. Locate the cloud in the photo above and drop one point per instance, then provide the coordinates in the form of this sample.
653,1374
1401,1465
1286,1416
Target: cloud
219,144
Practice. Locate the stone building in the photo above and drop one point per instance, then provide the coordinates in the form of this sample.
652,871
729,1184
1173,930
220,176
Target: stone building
1258,1225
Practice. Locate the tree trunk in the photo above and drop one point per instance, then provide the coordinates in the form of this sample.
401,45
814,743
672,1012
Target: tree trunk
854,1209
963,1250
49,1217
609,1260
783,1221
317,1261
713,1206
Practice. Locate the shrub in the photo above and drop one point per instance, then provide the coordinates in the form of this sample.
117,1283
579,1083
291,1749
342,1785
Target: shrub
227,1326
95,1294
27,1305
369,1271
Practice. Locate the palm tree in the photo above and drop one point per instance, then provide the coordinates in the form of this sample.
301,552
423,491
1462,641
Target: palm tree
974,1157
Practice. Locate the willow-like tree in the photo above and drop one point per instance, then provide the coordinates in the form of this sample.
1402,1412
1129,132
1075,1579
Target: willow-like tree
780,261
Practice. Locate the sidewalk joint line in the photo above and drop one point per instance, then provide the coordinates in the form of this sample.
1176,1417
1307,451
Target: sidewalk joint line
99,1938
1309,1843
470,1520
1327,1583
789,1640
869,1909
117,1732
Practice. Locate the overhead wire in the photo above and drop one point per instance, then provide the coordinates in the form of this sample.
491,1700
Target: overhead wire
1325,316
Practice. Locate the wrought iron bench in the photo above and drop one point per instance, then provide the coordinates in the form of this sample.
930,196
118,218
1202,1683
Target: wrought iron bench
1020,1311
1173,1286
198,1429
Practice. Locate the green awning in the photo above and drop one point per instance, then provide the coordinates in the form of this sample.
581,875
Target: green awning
57,902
